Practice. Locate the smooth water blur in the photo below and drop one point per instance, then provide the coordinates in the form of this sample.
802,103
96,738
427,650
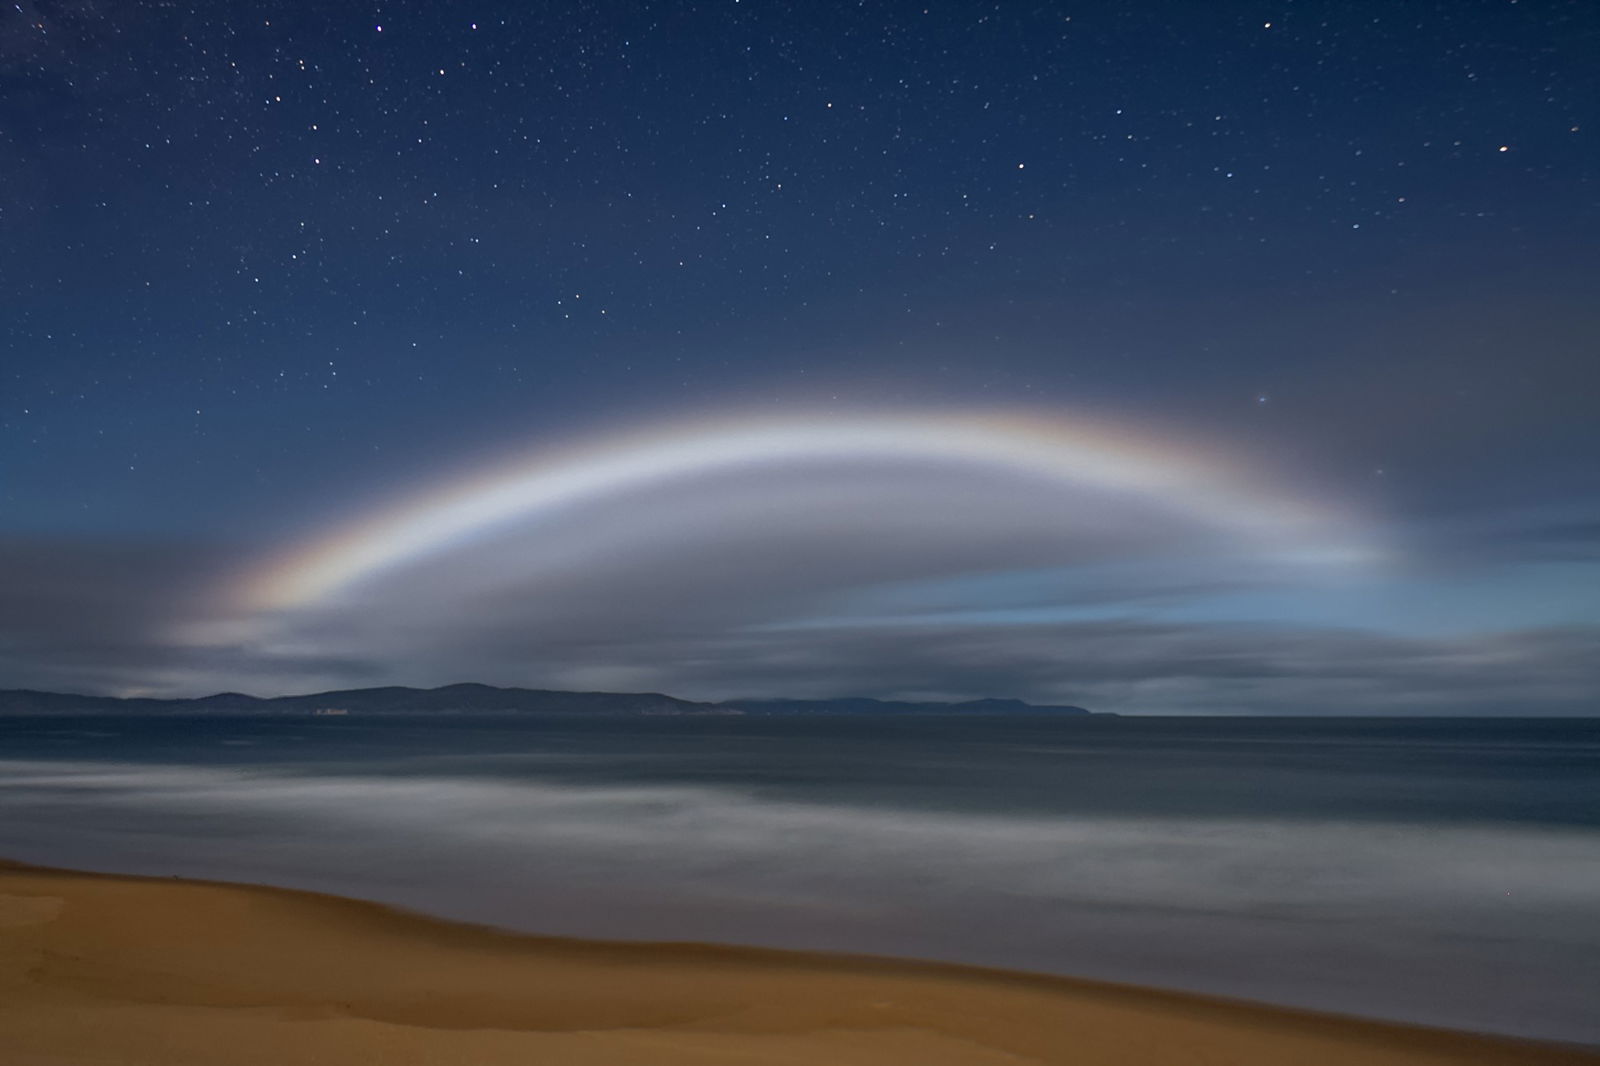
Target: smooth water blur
1444,871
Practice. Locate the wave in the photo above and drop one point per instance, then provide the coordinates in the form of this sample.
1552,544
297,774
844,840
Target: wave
1484,926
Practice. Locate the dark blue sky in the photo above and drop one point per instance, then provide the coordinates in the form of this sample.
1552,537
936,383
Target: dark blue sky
271,268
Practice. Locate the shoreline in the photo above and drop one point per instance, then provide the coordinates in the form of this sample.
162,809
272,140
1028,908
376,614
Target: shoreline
127,969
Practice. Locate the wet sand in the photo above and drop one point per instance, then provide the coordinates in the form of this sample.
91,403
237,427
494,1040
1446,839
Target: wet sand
105,969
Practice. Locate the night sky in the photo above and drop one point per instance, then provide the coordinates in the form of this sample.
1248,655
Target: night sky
1159,357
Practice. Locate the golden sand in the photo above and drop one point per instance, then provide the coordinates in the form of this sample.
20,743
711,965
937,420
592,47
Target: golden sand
99,969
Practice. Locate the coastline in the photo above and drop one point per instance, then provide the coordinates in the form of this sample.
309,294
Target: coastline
111,968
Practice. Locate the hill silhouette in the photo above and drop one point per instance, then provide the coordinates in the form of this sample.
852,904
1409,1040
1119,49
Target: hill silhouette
471,698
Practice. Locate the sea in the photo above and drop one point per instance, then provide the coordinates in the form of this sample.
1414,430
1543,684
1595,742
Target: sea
1439,871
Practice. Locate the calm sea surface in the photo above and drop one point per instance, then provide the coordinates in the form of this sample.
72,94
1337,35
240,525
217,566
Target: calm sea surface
1443,871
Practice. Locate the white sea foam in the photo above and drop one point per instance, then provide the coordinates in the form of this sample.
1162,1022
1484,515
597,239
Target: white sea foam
1480,925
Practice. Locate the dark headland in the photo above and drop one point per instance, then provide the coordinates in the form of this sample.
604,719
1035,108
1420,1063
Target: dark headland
487,699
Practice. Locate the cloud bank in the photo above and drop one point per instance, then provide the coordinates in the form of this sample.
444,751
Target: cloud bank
887,579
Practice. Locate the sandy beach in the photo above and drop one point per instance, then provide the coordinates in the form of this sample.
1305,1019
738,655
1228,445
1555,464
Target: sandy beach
104,969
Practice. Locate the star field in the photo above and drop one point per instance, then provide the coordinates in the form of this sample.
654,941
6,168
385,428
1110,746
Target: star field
266,265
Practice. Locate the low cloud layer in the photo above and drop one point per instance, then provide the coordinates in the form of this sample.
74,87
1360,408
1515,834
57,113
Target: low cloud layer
890,583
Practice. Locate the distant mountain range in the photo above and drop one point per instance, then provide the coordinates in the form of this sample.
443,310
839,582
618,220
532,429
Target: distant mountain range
486,699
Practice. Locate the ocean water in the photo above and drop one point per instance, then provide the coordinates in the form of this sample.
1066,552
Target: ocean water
1437,871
